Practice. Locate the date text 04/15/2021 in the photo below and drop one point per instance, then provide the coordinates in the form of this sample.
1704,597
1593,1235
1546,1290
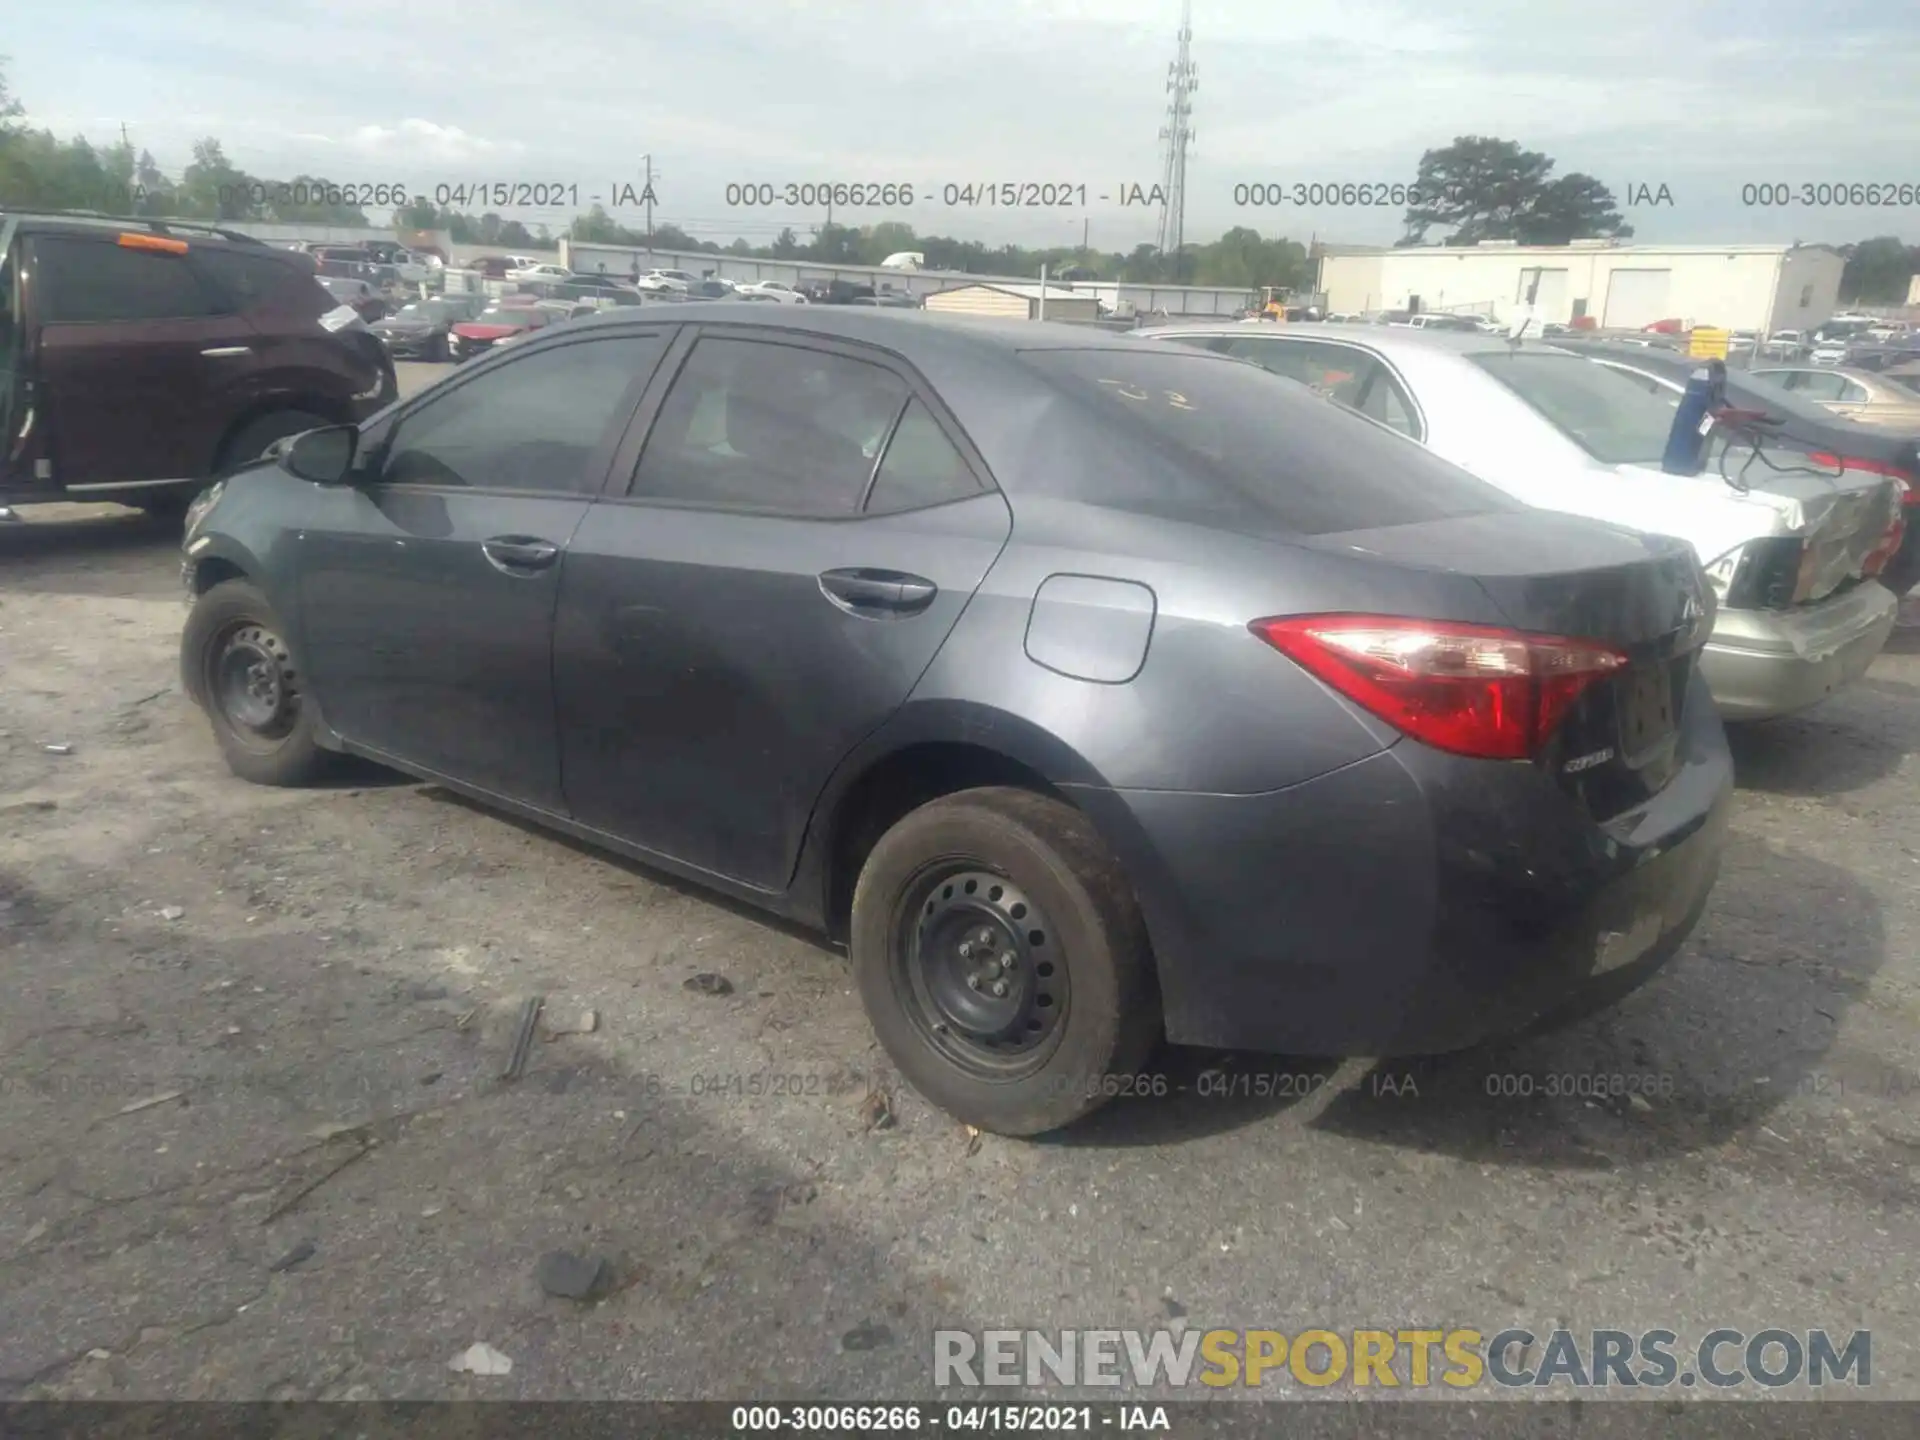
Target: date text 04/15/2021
971,194
958,1419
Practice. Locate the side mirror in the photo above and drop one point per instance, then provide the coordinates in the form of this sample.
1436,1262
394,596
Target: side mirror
322,456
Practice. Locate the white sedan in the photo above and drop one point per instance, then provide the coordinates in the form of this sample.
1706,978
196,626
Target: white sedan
771,290
1790,553
661,281
543,273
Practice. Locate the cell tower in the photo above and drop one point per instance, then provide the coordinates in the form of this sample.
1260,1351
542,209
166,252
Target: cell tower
1177,135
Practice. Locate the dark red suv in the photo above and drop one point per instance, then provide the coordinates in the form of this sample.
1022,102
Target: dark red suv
139,359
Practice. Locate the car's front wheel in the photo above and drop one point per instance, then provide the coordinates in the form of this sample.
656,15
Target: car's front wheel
1003,961
237,666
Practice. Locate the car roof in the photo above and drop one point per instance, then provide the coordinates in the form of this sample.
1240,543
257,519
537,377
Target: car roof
905,332
1389,340
87,222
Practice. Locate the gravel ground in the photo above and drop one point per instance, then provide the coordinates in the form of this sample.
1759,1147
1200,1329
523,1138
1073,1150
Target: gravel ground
254,1142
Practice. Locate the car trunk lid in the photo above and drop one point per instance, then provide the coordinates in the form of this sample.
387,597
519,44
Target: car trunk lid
1550,574
1832,520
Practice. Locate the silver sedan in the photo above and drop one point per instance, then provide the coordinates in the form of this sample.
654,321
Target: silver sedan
1790,556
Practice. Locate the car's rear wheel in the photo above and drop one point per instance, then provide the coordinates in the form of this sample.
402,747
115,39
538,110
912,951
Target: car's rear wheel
1002,960
245,445
238,667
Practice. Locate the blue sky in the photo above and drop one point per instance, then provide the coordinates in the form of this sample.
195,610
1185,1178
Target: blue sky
1702,96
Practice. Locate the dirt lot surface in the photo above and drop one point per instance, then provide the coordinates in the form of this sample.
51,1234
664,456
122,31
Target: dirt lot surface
254,1139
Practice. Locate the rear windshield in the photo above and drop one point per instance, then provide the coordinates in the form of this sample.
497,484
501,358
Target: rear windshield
1607,414
518,315
1249,447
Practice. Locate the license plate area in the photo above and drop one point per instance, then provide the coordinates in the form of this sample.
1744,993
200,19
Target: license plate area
1647,711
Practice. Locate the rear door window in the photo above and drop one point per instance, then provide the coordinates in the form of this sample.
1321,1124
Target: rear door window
256,282
1335,371
1599,409
782,429
83,280
1241,446
1819,387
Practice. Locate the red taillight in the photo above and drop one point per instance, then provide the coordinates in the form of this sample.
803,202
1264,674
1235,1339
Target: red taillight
1469,689
1888,547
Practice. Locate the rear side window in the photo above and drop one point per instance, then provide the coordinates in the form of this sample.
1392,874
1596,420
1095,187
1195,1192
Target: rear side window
1335,371
754,425
83,280
920,466
257,282
1599,409
1248,447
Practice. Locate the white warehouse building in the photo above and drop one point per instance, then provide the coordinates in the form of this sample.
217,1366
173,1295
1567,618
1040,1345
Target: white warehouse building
1622,287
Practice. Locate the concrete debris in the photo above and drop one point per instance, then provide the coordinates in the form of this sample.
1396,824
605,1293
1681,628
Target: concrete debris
481,1359
571,1276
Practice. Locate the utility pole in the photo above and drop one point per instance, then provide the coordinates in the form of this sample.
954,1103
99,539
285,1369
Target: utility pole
1182,80
647,196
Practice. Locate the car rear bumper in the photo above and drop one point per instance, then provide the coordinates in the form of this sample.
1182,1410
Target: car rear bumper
1413,902
1763,663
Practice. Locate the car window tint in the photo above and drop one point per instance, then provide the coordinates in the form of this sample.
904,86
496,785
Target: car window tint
1199,439
920,466
1385,401
1853,393
532,424
1820,387
754,425
93,280
1649,384
1595,406
1332,370
255,281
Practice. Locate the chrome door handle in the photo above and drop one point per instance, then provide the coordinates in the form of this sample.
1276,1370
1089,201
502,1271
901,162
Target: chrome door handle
219,351
517,554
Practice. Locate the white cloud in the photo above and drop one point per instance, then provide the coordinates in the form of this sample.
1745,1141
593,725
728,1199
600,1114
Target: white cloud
1703,95
424,142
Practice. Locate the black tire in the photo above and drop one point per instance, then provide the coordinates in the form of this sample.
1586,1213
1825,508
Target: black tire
243,447
1079,1007
236,666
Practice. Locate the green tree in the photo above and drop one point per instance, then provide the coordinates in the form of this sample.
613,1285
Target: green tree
889,237
214,188
1879,271
1483,188
597,227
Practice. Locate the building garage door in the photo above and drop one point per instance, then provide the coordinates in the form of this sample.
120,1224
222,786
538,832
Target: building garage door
1637,298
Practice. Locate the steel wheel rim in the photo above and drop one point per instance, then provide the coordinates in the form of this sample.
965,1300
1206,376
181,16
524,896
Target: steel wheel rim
251,681
979,970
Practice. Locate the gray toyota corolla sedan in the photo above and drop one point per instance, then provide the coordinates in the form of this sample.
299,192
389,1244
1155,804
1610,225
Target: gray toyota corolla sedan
1089,691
